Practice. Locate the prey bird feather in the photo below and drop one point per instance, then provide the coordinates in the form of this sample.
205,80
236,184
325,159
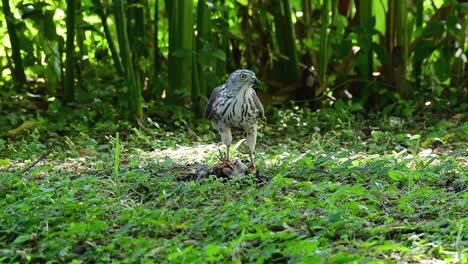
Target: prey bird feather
235,105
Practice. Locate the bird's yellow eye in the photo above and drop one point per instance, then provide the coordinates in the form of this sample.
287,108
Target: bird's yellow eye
243,76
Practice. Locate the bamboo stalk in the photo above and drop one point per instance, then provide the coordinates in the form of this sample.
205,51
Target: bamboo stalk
136,33
228,65
365,16
402,44
204,34
417,62
323,54
110,41
156,55
69,87
80,34
186,43
156,89
285,37
180,47
18,70
134,89
195,92
171,7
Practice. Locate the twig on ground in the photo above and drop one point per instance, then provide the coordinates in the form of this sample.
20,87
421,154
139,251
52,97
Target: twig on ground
30,166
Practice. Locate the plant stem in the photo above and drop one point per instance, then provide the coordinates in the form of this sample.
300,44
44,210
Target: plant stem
69,95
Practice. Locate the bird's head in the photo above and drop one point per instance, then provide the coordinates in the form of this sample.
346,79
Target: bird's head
241,79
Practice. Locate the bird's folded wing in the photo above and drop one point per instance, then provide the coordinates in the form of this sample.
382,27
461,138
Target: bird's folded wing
214,96
258,104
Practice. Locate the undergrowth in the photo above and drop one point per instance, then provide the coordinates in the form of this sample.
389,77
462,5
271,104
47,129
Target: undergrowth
337,187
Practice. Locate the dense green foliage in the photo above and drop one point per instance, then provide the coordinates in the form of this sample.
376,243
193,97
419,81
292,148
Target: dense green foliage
363,158
141,53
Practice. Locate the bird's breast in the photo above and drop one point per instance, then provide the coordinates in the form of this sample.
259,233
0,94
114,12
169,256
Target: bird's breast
238,110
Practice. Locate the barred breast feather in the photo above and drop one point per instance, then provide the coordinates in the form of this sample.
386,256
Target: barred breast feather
236,110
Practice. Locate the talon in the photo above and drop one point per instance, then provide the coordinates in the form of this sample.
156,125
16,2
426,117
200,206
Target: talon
250,168
225,164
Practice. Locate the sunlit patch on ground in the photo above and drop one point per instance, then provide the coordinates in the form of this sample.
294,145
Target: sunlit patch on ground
185,154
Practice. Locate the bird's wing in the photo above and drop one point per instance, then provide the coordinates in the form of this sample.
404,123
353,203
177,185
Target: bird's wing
214,96
258,104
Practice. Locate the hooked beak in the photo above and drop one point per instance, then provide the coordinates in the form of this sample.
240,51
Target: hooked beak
254,81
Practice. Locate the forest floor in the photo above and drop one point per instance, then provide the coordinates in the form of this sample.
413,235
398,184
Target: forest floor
331,187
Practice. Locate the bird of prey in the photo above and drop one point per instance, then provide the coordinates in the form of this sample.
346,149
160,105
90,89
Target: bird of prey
236,105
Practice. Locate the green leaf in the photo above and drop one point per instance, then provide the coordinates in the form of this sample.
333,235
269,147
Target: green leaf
204,57
49,28
20,239
243,2
219,54
97,225
396,175
211,250
77,228
4,162
424,49
442,69
389,245
378,10
435,28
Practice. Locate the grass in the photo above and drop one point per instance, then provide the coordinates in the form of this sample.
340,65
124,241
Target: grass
336,188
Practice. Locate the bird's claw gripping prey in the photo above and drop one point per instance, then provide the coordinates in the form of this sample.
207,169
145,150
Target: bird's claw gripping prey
235,105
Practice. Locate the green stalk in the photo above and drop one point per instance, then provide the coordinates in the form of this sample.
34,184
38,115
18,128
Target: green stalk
156,89
156,55
365,16
196,85
222,67
186,42
306,6
180,47
173,63
137,31
459,65
323,54
204,34
285,36
134,88
18,70
110,41
69,92
417,62
169,6
402,44
80,34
